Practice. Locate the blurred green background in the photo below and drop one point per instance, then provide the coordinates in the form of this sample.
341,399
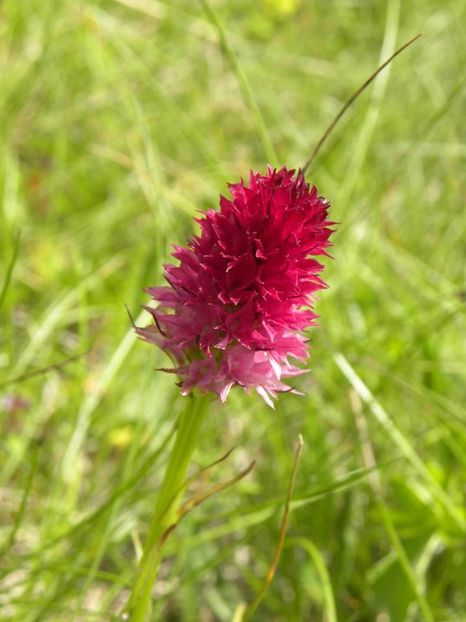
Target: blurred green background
119,120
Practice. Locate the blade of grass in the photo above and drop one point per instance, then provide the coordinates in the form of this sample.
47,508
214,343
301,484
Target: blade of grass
353,97
376,485
93,399
315,555
33,466
10,268
260,513
108,519
399,440
33,373
368,126
252,608
55,312
248,94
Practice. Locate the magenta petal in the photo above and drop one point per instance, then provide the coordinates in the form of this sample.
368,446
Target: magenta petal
237,304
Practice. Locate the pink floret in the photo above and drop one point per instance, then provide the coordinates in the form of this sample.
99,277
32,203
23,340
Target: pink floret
236,305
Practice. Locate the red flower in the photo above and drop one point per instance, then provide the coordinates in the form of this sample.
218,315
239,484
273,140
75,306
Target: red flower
239,300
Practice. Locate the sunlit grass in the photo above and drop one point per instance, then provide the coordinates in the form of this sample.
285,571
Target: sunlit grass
120,119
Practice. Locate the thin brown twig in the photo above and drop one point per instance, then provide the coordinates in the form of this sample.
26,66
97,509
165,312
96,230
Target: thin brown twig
202,470
155,553
353,97
203,496
193,503
207,467
283,529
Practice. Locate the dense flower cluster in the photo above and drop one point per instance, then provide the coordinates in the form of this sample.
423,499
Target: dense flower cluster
239,300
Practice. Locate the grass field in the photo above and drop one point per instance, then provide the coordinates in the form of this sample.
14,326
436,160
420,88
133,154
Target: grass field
119,120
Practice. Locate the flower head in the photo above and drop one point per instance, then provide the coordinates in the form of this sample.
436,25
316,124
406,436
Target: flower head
236,306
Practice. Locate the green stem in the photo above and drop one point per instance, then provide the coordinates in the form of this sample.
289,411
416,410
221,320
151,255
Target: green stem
168,501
